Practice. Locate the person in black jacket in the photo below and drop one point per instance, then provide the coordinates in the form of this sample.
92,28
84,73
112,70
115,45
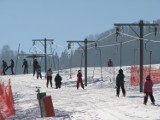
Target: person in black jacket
120,83
35,64
25,64
38,69
4,67
11,66
58,80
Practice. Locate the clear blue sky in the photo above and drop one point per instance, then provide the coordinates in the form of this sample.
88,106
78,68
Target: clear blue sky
62,20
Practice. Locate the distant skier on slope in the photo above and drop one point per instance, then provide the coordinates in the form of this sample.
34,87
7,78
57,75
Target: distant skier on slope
38,69
110,63
49,77
148,90
11,66
120,83
25,65
4,67
79,79
35,64
58,80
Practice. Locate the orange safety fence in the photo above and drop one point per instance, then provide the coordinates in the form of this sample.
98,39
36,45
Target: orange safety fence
135,75
6,101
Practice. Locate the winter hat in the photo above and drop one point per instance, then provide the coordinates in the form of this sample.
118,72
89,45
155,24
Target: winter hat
120,71
148,77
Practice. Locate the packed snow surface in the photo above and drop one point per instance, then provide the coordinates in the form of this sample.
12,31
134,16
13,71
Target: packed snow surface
98,101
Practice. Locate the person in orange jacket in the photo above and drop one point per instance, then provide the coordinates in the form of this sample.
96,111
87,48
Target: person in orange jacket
79,79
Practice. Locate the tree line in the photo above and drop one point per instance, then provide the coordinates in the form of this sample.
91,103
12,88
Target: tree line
99,55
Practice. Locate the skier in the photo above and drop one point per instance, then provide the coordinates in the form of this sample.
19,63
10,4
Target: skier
148,90
11,66
4,67
25,64
49,77
38,69
58,80
79,79
120,83
35,64
110,63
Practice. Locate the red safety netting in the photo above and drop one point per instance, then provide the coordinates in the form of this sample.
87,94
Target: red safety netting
135,75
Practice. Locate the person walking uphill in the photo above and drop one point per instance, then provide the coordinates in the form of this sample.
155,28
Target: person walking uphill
25,64
35,64
11,66
148,90
49,77
79,79
120,83
58,80
4,67
38,69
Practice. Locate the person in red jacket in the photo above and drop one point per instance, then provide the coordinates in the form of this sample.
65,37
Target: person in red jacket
79,79
148,90
110,63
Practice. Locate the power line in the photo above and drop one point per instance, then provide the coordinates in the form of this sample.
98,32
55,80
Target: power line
141,25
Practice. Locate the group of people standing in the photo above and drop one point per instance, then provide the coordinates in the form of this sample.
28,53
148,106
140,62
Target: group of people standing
5,67
57,79
148,91
119,78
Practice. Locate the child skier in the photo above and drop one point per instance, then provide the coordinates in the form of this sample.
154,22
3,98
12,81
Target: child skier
79,79
148,90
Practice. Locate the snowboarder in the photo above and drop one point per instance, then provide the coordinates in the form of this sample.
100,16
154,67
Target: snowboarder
58,80
120,83
4,67
38,69
11,66
110,63
79,79
25,64
148,90
49,77
35,64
